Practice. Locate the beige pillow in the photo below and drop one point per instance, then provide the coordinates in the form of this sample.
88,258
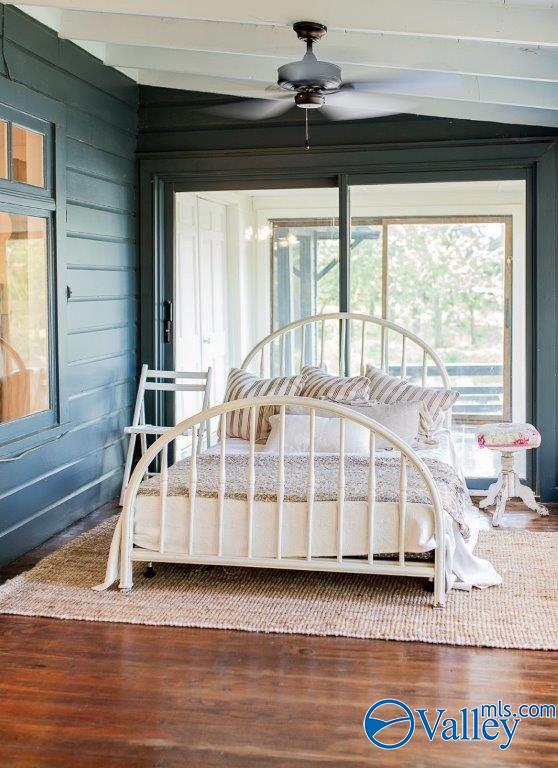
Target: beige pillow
241,384
436,401
322,385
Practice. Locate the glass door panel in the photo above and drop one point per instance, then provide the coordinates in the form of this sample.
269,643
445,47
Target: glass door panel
445,260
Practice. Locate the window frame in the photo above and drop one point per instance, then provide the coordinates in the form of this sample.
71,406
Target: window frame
35,112
384,222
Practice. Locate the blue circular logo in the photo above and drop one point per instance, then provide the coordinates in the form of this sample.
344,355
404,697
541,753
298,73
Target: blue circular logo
377,727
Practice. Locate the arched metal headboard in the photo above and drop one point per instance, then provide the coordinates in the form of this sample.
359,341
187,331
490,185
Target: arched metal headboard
348,323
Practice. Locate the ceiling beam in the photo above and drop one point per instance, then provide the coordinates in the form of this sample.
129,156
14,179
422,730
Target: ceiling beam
540,95
493,21
414,105
434,54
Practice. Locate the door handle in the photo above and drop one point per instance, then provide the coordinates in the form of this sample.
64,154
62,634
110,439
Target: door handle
167,321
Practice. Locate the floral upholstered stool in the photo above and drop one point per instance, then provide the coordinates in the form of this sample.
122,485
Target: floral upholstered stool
508,438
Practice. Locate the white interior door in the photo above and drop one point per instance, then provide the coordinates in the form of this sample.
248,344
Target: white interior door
200,295
212,259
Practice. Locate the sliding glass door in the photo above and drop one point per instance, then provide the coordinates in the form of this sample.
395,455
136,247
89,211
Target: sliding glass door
446,260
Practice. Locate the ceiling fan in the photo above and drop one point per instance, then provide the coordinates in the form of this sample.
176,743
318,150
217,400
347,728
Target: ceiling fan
313,84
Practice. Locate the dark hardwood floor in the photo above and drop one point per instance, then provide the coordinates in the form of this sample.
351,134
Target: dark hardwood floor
79,695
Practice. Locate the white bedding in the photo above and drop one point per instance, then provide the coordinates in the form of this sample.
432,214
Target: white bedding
463,568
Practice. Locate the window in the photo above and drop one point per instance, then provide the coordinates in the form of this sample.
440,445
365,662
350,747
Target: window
28,385
27,156
24,342
449,280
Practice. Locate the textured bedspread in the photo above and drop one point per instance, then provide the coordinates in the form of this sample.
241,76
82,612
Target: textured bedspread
452,491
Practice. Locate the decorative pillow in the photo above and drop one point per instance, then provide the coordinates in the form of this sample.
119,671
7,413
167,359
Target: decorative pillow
389,389
401,418
326,435
320,384
242,384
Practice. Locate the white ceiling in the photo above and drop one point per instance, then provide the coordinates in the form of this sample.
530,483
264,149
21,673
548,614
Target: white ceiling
505,51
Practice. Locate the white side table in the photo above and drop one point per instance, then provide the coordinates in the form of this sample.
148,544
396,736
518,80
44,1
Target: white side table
507,438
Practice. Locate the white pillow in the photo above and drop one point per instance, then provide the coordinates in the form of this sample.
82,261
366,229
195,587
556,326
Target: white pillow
326,435
401,418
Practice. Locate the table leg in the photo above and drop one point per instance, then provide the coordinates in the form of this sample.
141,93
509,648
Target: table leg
527,496
492,493
502,499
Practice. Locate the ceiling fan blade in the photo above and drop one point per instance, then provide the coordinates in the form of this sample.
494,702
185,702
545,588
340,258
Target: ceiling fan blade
252,109
411,84
360,113
348,104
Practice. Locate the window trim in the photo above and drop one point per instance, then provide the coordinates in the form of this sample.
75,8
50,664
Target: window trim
29,109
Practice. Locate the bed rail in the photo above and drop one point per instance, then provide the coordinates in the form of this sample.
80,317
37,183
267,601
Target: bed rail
123,553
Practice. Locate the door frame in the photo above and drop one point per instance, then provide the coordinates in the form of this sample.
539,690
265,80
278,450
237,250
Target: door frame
533,160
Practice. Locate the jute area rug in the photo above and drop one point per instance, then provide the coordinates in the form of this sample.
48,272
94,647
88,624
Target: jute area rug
522,613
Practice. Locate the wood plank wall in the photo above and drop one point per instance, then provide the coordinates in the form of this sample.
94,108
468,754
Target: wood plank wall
47,489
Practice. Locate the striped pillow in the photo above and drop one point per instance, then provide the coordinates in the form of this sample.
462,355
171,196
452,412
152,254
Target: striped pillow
320,384
389,389
242,384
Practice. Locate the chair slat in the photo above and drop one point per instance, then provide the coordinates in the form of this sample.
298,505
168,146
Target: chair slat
424,368
164,387
322,344
177,374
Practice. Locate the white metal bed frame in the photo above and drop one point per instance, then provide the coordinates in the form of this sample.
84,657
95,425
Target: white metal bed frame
123,553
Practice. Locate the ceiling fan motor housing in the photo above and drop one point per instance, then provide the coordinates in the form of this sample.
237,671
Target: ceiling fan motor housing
309,73
322,75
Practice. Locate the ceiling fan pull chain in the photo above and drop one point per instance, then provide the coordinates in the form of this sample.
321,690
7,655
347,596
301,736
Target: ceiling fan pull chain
306,140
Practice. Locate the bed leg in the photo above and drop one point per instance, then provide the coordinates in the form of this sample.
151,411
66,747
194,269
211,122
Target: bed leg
126,578
439,592
149,572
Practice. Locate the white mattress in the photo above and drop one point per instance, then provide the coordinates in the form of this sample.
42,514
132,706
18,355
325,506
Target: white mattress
419,527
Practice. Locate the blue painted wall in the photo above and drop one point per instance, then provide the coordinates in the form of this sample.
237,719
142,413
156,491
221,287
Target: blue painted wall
60,481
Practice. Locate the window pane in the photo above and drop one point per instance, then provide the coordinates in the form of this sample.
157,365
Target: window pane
441,264
24,374
3,150
446,282
27,156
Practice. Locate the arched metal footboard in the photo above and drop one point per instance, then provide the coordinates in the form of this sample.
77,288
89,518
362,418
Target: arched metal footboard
123,552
